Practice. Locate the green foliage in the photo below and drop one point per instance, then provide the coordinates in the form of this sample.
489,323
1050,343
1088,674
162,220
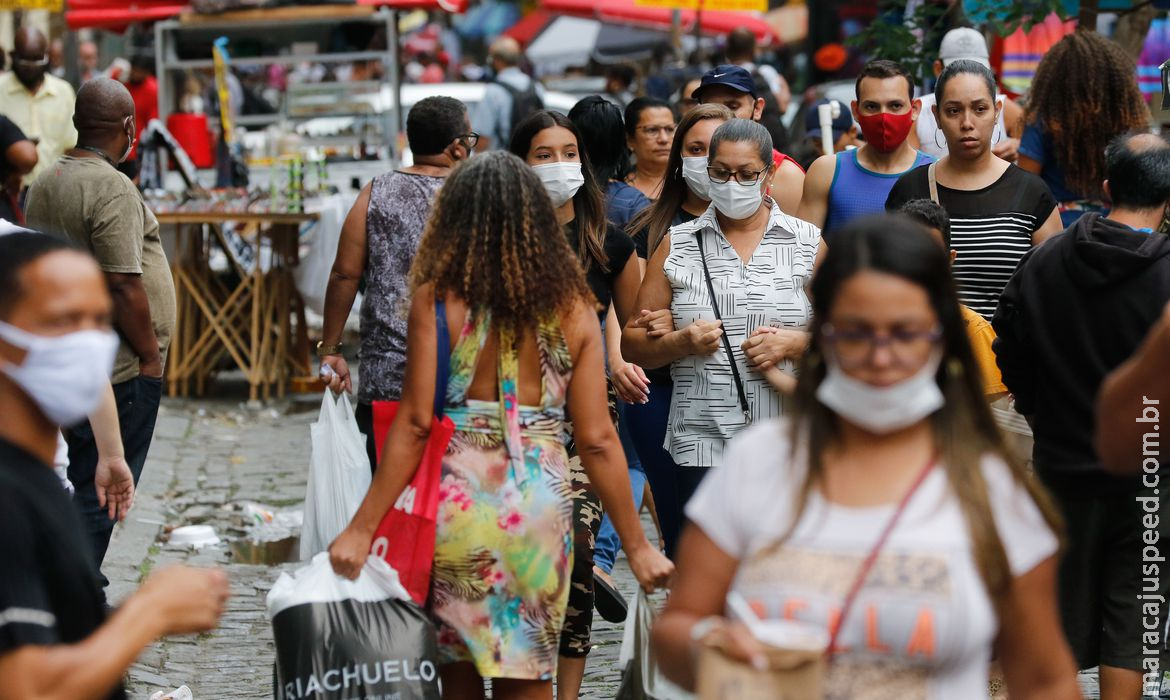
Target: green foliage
894,36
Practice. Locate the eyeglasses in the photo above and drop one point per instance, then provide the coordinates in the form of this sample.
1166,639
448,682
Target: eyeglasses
854,348
653,131
471,139
743,177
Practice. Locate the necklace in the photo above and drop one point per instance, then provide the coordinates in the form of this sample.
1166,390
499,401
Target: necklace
100,152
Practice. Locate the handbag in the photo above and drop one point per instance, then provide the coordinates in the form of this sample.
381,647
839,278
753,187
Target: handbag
641,679
406,536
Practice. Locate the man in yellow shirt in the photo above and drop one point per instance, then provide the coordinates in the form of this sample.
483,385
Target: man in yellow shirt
979,331
39,103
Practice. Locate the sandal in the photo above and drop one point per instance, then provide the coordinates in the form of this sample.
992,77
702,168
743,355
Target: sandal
607,599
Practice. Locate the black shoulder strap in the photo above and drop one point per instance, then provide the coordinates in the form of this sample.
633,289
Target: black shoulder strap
743,402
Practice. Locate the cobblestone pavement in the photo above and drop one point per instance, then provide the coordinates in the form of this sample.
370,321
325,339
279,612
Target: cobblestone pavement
208,458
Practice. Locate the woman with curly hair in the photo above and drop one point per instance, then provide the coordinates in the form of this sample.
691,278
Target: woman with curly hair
1085,93
491,267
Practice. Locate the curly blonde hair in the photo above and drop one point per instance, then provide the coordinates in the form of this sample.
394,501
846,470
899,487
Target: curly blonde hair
493,241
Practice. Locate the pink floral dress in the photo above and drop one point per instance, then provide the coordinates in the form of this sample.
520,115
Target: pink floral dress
503,549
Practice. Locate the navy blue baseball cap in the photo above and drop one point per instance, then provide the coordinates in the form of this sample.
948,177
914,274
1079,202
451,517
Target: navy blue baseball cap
734,77
812,121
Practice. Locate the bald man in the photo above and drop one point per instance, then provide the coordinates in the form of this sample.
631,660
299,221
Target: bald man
39,103
506,101
83,196
87,61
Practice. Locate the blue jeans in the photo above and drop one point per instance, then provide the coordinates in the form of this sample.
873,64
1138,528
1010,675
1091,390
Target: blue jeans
647,427
608,542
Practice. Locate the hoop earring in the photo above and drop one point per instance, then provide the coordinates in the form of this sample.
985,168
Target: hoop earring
936,135
999,137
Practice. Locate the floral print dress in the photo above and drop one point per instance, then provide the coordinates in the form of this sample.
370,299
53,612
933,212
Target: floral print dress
503,549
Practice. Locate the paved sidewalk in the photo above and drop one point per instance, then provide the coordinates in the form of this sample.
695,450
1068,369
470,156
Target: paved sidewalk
208,457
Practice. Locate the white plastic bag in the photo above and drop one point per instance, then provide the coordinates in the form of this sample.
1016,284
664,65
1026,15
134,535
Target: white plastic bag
339,475
641,679
338,639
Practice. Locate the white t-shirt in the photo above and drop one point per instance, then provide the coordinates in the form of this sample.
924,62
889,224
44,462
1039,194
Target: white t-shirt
930,136
922,626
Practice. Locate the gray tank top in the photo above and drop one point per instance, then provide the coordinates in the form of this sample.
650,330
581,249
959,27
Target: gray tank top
399,206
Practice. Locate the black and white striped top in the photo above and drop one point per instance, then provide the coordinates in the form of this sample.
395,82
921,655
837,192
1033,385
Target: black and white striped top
991,228
767,290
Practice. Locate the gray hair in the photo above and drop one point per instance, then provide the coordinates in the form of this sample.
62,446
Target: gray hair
743,131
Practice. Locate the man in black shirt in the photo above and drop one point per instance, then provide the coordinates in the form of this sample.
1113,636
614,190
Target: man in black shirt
18,156
56,352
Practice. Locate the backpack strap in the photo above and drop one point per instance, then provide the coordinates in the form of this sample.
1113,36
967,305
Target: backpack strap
932,182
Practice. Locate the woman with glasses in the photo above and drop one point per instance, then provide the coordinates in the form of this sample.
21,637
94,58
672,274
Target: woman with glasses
551,144
998,211
378,242
650,126
886,514
723,304
685,196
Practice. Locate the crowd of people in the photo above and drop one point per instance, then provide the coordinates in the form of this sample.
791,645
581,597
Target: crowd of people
802,376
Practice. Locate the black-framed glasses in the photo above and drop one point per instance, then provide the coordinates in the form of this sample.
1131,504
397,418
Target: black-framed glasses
854,347
471,139
744,177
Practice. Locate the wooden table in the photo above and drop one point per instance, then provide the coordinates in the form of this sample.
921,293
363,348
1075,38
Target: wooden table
250,321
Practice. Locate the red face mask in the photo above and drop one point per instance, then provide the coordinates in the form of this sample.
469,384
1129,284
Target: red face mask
886,131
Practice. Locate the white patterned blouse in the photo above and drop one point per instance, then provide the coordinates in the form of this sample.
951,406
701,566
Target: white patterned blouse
769,290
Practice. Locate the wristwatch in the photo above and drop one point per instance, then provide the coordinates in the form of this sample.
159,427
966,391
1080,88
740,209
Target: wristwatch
323,349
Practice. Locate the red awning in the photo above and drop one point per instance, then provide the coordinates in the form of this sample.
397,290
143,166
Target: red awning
533,23
111,14
626,12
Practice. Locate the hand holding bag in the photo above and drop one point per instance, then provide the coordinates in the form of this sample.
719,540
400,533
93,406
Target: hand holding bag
406,536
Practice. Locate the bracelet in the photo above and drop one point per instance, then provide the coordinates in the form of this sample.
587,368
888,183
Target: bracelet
323,349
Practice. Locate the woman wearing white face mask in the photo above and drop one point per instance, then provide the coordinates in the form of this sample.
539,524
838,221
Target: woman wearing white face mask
723,304
550,143
887,513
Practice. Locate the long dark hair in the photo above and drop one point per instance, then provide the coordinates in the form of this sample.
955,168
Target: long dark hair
493,241
603,132
964,429
589,202
1085,92
656,219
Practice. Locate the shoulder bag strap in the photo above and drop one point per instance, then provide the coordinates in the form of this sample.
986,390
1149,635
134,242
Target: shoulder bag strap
932,182
443,357
871,558
743,402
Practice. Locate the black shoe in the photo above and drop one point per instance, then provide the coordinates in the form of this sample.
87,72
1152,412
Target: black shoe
608,600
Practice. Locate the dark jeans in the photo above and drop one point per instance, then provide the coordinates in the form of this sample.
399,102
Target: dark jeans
364,413
137,400
671,484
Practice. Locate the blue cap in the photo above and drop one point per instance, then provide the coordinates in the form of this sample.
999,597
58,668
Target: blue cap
734,77
812,121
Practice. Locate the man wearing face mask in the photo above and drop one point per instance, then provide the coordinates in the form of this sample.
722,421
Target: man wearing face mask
378,241
39,103
853,183
85,197
734,88
56,352
1077,308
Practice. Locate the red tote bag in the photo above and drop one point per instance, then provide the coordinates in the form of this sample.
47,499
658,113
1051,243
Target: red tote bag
406,536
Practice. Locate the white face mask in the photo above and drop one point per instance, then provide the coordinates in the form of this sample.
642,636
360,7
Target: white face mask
64,375
694,171
561,180
882,410
736,201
